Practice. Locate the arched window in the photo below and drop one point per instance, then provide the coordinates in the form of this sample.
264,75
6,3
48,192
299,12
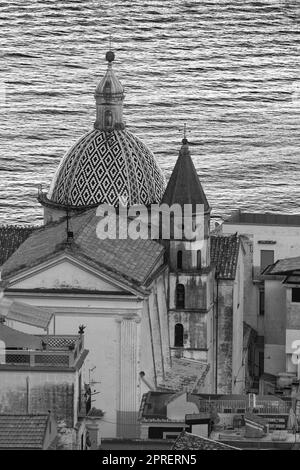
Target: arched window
179,259
108,118
178,335
180,297
199,259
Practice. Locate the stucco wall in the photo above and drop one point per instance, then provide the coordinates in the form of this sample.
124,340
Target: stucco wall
225,330
38,392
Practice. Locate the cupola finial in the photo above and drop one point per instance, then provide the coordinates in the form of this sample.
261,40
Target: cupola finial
109,96
184,140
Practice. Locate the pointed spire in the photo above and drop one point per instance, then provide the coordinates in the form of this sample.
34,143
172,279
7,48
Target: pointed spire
184,185
109,97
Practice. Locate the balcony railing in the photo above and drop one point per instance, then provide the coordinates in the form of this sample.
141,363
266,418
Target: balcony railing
58,351
242,406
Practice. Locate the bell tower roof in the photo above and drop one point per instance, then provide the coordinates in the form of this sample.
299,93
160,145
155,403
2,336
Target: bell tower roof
184,186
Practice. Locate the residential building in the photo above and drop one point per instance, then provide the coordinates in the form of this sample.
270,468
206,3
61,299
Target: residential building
41,374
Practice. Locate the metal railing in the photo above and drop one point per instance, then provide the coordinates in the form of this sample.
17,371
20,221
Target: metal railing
58,351
242,406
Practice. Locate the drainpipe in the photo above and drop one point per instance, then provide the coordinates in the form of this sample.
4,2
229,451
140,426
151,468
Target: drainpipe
217,332
27,396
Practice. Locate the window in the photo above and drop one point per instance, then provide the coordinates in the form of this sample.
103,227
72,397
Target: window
296,294
179,259
178,335
266,258
261,302
180,296
199,259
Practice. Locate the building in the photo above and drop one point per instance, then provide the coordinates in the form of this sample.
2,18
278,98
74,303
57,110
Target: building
270,293
41,374
189,441
164,415
158,314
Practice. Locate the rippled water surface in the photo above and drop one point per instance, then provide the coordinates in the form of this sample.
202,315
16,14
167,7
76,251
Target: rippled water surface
230,69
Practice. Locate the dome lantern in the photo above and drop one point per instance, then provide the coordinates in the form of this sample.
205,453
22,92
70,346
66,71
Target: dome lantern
109,96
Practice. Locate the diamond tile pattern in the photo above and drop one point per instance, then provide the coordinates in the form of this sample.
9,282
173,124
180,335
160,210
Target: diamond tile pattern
102,166
22,431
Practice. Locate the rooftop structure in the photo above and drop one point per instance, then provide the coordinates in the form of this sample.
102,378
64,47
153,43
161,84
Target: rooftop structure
27,432
267,218
108,162
188,441
52,352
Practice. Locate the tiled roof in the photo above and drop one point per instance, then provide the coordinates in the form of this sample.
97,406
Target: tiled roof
184,186
249,218
131,259
187,441
28,314
184,374
224,252
22,431
11,237
283,266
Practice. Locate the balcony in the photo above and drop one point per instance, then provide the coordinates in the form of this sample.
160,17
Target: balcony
59,351
262,406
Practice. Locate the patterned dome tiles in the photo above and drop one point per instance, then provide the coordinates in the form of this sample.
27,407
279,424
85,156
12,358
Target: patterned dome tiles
102,167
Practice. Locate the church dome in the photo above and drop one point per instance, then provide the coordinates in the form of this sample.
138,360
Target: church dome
108,163
105,166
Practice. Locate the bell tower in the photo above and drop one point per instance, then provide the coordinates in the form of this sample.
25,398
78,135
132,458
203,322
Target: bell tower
191,277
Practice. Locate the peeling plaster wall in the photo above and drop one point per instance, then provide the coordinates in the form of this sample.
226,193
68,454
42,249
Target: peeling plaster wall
45,391
225,329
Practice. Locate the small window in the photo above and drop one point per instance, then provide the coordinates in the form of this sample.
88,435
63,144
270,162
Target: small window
199,259
180,296
296,294
266,258
178,335
261,360
261,302
179,259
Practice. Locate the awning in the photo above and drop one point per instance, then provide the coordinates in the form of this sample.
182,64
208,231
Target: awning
14,339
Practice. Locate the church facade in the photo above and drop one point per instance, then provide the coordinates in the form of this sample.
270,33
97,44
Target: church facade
158,314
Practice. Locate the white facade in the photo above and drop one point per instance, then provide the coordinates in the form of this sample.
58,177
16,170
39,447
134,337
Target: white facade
117,321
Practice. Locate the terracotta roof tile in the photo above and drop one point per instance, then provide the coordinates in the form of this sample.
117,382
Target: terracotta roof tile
22,431
283,266
132,259
224,252
184,374
187,441
11,237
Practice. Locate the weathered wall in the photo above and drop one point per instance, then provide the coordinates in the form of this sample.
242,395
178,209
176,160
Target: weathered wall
275,326
287,239
179,407
38,392
225,330
238,360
